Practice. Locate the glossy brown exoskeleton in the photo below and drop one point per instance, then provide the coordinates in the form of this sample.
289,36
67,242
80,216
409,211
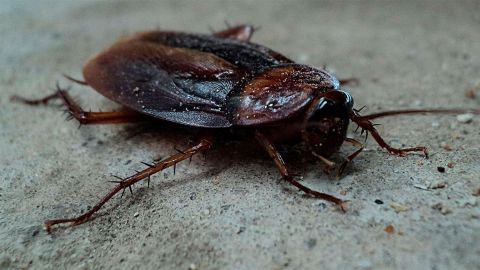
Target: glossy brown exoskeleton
221,81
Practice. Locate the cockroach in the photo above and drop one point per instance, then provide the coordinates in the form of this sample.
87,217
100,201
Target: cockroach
223,81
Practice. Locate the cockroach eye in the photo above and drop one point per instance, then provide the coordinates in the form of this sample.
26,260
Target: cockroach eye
333,104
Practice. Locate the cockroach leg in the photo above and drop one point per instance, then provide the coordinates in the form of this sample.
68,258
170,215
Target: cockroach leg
120,181
367,125
277,158
128,182
329,164
74,80
83,117
350,157
350,81
147,164
242,32
34,102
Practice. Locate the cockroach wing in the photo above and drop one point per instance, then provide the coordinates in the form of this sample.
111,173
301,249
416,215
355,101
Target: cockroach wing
278,94
246,55
180,85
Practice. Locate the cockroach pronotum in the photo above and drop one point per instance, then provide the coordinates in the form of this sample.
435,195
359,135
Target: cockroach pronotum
223,81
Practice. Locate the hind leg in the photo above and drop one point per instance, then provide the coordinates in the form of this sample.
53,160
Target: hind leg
128,182
78,113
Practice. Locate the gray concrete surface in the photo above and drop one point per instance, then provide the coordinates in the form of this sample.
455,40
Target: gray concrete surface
232,211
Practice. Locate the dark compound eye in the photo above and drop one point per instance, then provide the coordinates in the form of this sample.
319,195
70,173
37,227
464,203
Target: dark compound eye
333,104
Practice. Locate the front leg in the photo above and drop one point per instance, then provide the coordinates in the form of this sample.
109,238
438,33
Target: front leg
350,157
277,158
365,123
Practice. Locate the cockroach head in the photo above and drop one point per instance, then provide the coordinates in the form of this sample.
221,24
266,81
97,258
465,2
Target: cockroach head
327,122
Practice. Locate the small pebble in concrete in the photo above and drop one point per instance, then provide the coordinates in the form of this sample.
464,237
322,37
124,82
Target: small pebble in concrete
377,201
389,229
465,118
438,184
441,169
399,207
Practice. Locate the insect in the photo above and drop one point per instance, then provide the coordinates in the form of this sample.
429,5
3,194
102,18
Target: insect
223,81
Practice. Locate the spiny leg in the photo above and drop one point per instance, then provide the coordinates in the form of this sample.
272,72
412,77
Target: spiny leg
35,102
203,145
351,81
240,32
277,158
350,157
366,124
78,113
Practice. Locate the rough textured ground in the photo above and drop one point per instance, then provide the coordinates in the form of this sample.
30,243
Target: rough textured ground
231,211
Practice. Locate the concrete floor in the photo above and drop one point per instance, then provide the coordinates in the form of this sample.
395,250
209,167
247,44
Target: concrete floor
232,211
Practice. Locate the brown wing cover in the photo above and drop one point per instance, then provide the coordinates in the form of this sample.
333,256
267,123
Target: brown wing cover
165,82
279,93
